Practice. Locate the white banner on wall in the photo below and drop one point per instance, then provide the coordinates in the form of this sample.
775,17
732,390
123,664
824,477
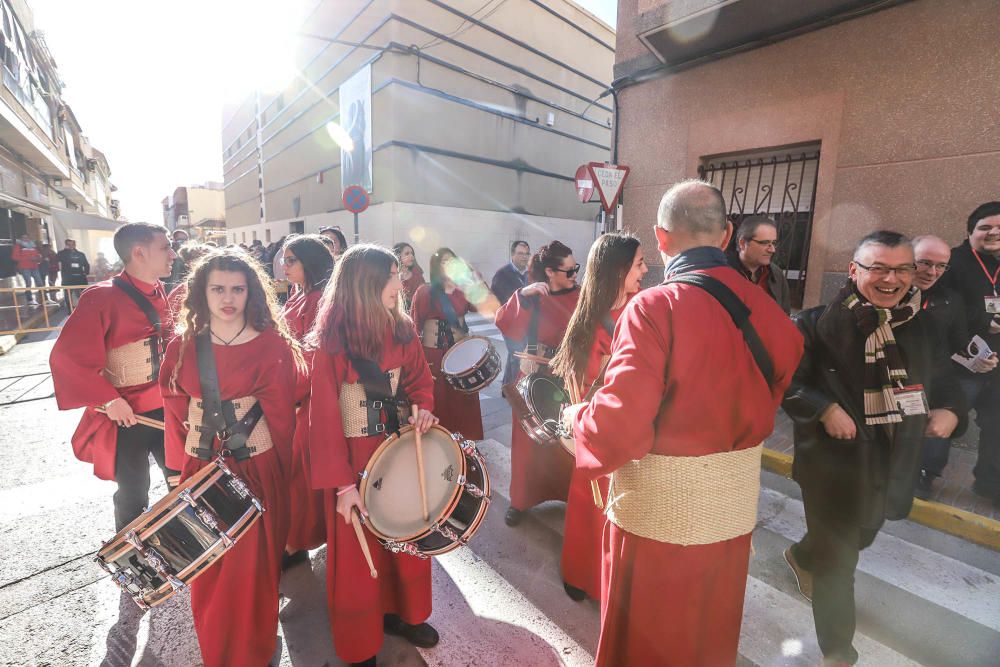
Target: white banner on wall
356,119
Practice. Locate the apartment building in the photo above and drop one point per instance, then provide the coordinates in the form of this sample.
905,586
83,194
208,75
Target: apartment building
53,183
837,117
465,122
200,210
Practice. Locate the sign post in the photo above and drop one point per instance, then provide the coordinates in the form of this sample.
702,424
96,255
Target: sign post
608,179
356,199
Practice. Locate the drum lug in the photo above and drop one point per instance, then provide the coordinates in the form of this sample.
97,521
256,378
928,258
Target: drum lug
475,491
133,538
448,533
404,548
461,480
186,496
175,583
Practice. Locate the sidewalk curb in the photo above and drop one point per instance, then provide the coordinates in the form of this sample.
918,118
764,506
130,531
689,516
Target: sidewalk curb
960,523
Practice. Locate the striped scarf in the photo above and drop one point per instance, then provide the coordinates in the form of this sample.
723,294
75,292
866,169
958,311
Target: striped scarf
884,367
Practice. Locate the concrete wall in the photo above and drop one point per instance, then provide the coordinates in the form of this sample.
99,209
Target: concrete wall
480,144
904,102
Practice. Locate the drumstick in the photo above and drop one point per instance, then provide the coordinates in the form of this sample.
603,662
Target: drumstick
145,421
574,395
532,357
363,542
420,463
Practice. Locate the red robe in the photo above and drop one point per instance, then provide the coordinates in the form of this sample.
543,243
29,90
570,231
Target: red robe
582,553
458,412
681,382
537,473
105,318
177,297
308,527
235,602
410,286
356,602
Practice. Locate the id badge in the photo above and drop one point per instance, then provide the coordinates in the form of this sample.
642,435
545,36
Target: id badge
911,400
993,305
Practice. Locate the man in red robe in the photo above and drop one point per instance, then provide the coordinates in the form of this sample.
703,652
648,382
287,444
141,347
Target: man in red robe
108,356
678,425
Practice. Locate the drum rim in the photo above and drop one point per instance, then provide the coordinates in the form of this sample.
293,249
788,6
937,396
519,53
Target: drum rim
449,507
489,349
477,522
531,423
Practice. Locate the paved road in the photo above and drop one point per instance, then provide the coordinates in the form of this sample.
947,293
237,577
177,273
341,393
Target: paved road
923,597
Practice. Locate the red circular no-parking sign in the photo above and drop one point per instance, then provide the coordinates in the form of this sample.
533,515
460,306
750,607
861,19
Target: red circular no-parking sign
356,198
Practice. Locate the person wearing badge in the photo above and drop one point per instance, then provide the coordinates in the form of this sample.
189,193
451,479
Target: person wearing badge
872,384
975,274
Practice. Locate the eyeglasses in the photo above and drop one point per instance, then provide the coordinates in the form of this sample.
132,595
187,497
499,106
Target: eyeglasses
769,244
569,272
879,271
927,264
289,261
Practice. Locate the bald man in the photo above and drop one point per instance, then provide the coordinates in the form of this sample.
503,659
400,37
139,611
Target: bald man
947,311
678,425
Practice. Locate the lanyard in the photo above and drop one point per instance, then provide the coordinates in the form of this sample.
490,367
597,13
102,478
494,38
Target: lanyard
993,278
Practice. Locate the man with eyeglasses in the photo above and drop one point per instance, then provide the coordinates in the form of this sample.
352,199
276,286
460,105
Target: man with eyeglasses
509,278
753,255
975,274
873,382
946,309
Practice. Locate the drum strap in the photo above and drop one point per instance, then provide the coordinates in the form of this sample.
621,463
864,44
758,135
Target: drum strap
531,340
155,341
740,314
380,403
451,319
220,416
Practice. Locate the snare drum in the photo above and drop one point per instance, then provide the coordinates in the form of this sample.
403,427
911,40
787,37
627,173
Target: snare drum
458,492
181,536
471,364
543,395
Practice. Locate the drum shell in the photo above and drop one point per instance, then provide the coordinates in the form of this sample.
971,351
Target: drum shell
480,376
179,533
540,427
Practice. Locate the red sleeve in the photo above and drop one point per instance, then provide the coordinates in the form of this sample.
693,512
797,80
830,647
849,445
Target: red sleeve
420,309
618,425
175,409
15,254
416,376
330,466
79,355
514,317
275,394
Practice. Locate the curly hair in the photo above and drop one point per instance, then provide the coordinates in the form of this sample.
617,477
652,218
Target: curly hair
548,257
262,311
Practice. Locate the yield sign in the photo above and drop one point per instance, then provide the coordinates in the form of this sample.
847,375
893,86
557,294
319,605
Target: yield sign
608,178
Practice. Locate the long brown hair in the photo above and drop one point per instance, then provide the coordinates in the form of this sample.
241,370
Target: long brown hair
608,264
261,310
351,315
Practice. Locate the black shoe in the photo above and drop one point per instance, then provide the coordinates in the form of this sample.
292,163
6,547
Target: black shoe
982,491
291,560
513,516
370,662
574,593
925,485
421,635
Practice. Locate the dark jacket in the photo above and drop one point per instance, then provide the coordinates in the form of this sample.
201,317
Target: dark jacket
869,478
776,285
967,278
73,264
506,281
946,310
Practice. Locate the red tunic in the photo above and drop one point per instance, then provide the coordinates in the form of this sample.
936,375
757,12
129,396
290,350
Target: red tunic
458,412
410,286
104,319
356,602
177,297
691,388
308,527
537,473
582,553
235,602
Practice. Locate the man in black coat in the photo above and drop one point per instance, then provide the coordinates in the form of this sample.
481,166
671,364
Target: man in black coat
508,279
945,308
872,383
75,268
756,242
975,274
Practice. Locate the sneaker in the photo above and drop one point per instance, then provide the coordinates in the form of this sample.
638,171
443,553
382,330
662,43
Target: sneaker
51,302
513,516
803,578
925,486
32,304
421,635
291,560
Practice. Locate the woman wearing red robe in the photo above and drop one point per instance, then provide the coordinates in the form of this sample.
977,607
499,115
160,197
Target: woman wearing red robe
308,266
235,602
409,272
459,412
615,267
360,323
539,473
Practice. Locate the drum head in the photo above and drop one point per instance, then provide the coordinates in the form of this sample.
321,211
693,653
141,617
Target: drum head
392,488
546,397
464,355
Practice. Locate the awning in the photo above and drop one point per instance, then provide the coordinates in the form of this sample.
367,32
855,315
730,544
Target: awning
65,221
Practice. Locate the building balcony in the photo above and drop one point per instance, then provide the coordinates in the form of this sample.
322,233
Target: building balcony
74,189
26,125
